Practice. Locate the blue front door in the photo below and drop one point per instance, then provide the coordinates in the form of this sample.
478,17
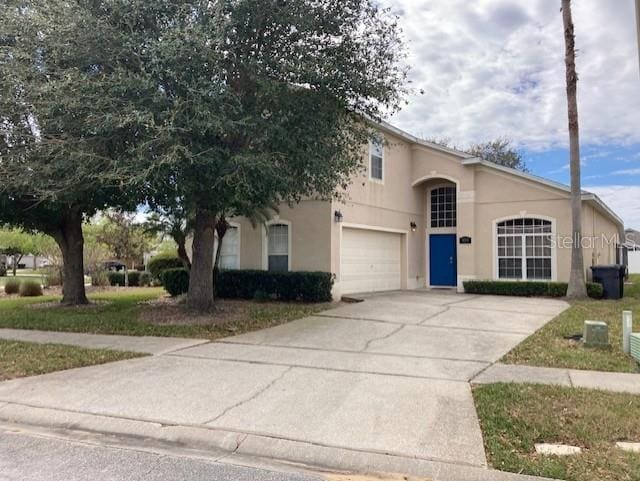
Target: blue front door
442,259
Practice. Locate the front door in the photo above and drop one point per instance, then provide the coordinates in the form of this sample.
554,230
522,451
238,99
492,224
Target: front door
442,260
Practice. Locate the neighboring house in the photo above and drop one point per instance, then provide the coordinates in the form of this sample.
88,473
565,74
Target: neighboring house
423,215
29,261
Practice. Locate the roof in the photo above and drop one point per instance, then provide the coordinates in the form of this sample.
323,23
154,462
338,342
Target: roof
468,159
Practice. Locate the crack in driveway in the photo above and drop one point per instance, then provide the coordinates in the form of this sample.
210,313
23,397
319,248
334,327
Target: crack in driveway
252,397
382,338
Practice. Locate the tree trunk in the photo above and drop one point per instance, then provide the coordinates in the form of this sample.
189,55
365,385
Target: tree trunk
200,296
71,242
577,287
182,251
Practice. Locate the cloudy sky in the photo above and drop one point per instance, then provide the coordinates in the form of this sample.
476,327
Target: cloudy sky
493,68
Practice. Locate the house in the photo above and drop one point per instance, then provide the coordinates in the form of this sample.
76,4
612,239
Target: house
423,215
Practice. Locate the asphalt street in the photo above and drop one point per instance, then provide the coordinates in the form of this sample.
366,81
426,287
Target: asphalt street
29,457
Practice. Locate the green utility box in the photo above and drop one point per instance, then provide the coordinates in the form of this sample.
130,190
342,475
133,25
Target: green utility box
596,334
635,346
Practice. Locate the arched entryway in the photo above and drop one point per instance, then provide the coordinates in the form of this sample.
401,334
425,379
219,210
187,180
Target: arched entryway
440,195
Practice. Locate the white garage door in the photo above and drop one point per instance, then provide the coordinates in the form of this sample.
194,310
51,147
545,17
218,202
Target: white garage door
370,261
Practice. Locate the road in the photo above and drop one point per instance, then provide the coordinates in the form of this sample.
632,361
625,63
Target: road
31,457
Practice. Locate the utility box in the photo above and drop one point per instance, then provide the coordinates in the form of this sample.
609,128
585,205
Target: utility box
596,334
635,346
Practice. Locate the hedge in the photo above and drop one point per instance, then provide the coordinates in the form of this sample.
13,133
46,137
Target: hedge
175,281
527,288
285,286
12,286
117,278
254,284
163,262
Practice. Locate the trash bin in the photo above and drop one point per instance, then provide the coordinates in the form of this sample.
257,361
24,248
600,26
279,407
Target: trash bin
623,276
612,279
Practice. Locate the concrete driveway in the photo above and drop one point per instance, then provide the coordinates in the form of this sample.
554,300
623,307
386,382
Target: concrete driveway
388,376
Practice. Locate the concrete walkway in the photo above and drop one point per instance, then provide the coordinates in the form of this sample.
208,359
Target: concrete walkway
142,344
381,385
606,381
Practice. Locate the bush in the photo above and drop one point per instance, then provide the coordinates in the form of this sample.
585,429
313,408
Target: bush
285,286
100,278
52,276
12,286
595,290
30,289
145,279
176,281
117,278
3,270
162,262
527,288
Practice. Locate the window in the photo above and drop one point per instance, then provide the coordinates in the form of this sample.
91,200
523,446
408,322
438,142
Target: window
230,251
443,207
524,249
278,247
376,161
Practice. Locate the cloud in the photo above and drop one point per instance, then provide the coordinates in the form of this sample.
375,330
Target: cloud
627,172
495,68
623,199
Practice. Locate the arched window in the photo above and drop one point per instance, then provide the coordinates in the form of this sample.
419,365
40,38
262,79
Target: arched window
524,249
443,207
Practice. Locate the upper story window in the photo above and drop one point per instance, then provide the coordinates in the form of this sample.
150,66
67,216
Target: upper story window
443,207
278,247
376,159
524,249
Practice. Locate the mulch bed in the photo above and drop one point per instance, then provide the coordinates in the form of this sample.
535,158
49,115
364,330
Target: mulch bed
173,311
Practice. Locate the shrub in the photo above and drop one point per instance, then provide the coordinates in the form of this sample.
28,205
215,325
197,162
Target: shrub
118,279
286,286
162,262
176,281
145,279
595,290
100,278
30,289
12,286
527,288
52,276
3,270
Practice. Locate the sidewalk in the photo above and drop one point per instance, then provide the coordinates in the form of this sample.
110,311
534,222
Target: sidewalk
142,344
606,381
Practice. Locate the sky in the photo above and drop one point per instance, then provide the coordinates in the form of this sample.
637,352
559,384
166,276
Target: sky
495,68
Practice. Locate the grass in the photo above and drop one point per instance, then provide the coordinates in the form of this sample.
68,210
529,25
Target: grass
548,348
515,417
120,315
19,359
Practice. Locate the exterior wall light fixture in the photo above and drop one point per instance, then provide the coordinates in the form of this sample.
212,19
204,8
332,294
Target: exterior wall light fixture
337,216
414,226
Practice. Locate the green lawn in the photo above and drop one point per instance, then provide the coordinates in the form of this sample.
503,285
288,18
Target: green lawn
547,347
119,314
19,359
516,417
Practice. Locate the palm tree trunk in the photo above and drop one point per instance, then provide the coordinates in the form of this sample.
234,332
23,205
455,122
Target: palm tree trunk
577,287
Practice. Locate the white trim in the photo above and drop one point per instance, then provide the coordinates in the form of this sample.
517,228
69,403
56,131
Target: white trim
265,242
373,227
434,175
375,179
524,215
